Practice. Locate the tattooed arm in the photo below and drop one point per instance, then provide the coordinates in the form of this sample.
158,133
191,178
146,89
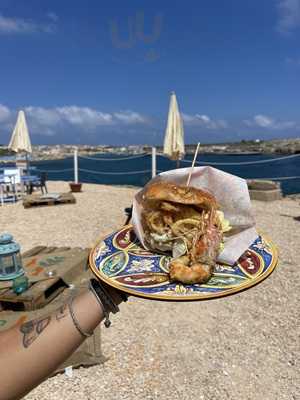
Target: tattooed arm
30,353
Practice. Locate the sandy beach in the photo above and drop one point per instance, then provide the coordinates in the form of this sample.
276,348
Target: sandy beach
243,347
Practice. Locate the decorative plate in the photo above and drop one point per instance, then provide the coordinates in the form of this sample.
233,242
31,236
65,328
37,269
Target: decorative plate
122,262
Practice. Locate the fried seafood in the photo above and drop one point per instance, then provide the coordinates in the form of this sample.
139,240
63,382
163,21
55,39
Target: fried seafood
186,221
197,273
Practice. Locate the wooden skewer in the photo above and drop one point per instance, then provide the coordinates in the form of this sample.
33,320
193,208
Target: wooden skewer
192,167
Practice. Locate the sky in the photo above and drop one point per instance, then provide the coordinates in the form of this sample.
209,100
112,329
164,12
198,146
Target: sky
99,72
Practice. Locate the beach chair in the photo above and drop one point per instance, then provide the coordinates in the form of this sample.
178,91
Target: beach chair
12,180
40,184
12,175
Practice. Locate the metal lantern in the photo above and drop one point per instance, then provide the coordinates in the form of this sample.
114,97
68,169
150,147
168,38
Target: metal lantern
10,258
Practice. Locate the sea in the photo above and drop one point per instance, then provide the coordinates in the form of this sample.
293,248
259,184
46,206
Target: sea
135,170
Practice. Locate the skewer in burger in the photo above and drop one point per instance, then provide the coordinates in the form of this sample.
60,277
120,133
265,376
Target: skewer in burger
185,221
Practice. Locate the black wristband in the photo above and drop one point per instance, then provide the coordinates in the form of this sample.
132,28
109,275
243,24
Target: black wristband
123,296
107,322
104,296
105,300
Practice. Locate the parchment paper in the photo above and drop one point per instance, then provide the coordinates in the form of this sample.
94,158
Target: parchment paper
232,195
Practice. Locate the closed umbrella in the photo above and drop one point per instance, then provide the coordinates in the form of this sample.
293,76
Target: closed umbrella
174,136
20,140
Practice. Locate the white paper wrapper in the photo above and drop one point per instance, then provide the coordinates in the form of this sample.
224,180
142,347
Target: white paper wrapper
232,195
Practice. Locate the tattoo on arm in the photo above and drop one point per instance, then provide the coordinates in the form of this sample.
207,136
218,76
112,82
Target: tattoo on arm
62,312
32,329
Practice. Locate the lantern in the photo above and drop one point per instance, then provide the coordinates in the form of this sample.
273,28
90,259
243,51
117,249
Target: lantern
10,258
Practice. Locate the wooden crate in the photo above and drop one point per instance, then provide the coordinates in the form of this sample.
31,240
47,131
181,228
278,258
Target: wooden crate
36,200
72,266
37,296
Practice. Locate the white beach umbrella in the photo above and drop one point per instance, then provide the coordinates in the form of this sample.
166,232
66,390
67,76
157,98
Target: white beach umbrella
20,140
174,136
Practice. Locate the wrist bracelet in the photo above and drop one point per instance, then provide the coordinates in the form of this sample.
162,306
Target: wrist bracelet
105,300
104,296
75,321
124,296
107,321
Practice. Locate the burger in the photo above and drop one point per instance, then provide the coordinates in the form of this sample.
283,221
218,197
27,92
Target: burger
186,222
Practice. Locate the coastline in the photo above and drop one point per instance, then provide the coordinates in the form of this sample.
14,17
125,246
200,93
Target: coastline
250,147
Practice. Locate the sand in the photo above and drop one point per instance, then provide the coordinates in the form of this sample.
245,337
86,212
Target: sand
243,347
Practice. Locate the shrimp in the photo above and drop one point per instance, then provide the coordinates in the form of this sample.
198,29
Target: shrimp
206,249
196,273
197,265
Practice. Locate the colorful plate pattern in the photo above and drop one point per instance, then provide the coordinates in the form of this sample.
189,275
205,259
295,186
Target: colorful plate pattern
121,261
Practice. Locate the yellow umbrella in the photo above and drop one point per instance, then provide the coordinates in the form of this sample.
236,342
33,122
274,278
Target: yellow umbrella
174,136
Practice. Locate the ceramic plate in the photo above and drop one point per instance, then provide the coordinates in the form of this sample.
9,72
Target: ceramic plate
121,261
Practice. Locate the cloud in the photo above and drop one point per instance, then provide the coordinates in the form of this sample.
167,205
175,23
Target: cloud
289,16
52,16
204,121
130,117
263,121
87,125
42,115
293,61
50,121
83,116
266,122
13,25
4,113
